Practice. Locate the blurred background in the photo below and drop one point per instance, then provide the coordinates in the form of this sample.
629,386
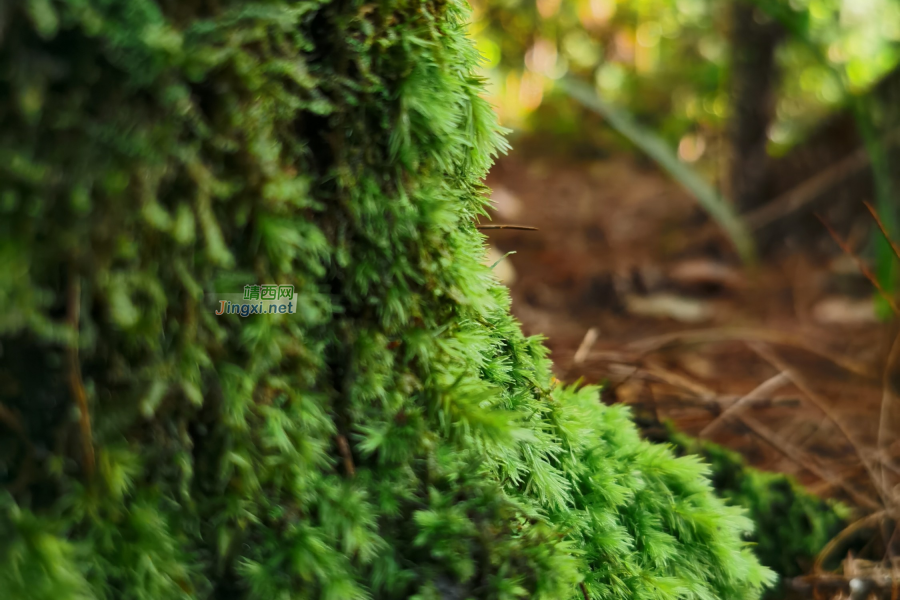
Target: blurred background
713,187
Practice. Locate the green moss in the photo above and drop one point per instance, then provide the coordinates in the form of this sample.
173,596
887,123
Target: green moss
396,437
792,525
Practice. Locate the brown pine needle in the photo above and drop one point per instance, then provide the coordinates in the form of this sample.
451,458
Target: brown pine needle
883,229
519,227
765,353
764,389
650,345
862,266
76,386
802,459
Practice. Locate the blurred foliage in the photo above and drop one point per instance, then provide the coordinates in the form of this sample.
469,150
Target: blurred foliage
667,60
653,146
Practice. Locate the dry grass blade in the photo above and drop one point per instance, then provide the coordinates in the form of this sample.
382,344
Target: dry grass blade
740,334
798,380
656,148
807,463
764,389
611,356
883,229
678,380
799,457
862,266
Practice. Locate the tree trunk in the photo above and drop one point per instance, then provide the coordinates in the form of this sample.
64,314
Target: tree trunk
753,80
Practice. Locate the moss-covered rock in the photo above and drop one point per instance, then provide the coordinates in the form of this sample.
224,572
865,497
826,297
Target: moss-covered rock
396,436
792,525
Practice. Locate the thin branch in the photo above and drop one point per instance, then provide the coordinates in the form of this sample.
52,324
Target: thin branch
76,386
766,354
812,189
799,457
883,229
808,191
518,227
740,334
718,404
862,266
678,380
762,390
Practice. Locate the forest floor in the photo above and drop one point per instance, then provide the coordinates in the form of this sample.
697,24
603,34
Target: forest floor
632,287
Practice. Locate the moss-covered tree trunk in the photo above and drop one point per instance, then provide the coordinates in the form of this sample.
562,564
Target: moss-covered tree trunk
395,435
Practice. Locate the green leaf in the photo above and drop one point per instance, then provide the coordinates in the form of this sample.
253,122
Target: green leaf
652,145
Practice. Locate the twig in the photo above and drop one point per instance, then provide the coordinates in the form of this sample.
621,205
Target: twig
883,229
344,449
811,189
519,227
798,457
738,334
716,405
767,387
766,354
590,338
862,266
611,356
808,191
76,386
679,380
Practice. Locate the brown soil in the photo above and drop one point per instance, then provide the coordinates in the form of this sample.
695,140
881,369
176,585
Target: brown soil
684,330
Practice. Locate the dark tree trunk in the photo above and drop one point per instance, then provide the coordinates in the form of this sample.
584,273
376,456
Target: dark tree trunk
830,172
753,79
